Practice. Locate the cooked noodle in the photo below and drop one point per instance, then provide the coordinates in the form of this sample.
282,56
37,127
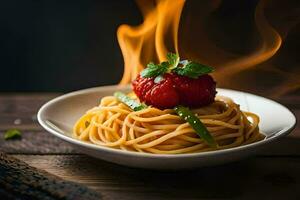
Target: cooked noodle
113,124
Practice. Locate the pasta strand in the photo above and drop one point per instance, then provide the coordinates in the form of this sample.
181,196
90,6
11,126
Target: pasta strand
151,130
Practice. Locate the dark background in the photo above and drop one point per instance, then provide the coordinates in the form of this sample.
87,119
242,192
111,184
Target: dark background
69,45
62,45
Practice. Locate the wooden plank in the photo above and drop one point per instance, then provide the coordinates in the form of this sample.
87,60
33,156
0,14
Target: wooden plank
287,146
24,103
19,121
271,178
19,111
21,181
35,142
268,175
291,101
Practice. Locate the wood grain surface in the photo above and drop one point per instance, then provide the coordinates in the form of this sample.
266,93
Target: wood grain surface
21,181
267,176
273,174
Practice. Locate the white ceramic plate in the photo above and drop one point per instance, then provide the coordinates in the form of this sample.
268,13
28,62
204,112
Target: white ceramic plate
59,115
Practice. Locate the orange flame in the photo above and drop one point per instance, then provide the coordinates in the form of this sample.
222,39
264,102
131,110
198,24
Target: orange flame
158,34
148,40
271,42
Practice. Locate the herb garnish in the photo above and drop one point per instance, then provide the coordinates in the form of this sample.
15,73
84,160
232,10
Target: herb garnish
193,69
154,70
185,114
173,60
133,104
12,133
173,64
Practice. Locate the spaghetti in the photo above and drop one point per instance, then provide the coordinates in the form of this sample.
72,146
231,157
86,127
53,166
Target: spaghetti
113,124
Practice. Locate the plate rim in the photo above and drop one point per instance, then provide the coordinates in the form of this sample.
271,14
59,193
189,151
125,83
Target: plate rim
80,143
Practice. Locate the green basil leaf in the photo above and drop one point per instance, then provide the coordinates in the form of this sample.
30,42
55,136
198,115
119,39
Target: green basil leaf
193,69
154,70
12,133
133,104
185,68
201,130
173,60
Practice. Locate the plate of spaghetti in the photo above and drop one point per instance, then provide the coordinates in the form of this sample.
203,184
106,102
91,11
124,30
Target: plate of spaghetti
172,116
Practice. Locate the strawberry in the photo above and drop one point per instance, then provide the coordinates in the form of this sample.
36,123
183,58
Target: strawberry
175,89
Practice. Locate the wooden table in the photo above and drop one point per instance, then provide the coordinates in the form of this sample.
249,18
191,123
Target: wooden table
273,174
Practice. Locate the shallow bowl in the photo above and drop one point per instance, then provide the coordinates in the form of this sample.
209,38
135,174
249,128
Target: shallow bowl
59,115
